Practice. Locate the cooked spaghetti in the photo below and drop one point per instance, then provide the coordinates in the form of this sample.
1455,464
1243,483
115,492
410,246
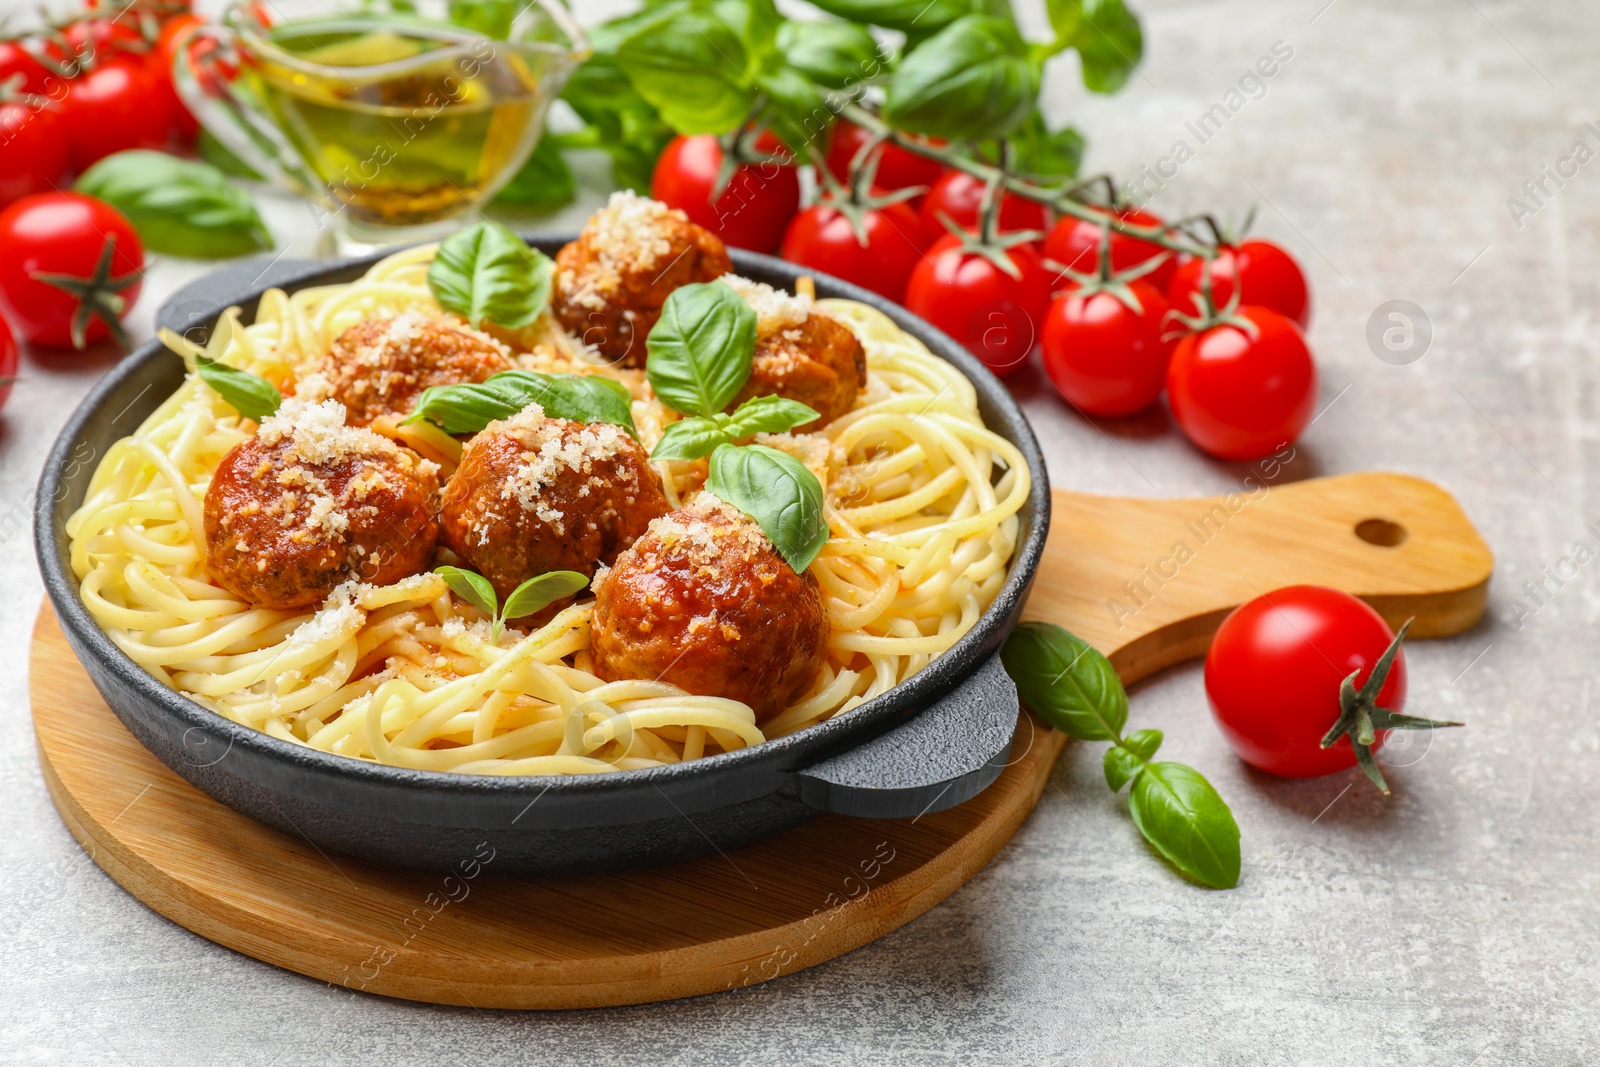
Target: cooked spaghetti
922,503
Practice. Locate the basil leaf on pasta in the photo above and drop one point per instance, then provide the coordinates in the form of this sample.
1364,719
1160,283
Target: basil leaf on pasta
776,490
472,587
469,407
694,438
250,394
486,273
540,592
701,349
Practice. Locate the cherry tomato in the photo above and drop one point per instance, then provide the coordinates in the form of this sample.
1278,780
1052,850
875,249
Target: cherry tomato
960,195
822,238
115,106
36,78
1075,243
997,317
1105,357
88,42
752,211
1271,279
1243,397
8,362
33,150
1273,674
176,34
897,168
66,234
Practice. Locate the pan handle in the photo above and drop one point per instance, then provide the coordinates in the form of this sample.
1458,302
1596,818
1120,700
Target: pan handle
945,756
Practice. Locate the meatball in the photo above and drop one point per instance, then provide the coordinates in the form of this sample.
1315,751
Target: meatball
801,353
534,494
611,282
379,366
309,503
703,601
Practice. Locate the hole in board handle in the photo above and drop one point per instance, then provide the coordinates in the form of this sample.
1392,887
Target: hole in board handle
1385,533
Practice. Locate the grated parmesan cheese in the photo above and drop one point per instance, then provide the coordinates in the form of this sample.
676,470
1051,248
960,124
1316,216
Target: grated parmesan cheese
552,448
776,311
317,433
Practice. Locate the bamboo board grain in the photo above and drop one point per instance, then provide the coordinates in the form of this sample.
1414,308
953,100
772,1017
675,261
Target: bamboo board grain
728,921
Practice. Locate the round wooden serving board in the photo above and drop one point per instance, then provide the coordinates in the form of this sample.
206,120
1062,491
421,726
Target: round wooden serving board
777,906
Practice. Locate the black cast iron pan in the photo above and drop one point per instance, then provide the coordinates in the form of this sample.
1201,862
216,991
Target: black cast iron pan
928,744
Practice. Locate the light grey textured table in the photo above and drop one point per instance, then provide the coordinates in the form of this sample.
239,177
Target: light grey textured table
1454,923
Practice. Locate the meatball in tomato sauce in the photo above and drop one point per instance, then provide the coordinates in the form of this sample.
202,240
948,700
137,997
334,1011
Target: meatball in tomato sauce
611,282
380,366
801,353
309,503
704,602
535,494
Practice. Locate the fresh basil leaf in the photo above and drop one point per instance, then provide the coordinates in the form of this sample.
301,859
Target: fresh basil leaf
1043,154
1143,743
470,406
1066,682
692,69
251,395
492,18
756,21
1121,766
544,183
769,414
971,80
1186,820
181,207
485,273
472,587
626,126
221,156
1106,35
699,352
794,111
540,592
691,438
835,55
908,16
776,490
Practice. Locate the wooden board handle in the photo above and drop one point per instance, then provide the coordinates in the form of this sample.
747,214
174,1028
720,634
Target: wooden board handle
1148,581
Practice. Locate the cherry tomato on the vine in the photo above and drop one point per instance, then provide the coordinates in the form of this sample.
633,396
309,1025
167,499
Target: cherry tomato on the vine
176,34
754,209
36,78
897,168
113,107
1273,674
33,149
93,258
1271,279
1104,356
968,296
821,237
1075,243
1239,396
960,196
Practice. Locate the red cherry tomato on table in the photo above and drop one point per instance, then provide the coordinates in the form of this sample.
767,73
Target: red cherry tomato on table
1243,397
66,234
960,196
113,107
1075,243
996,316
176,34
897,168
1106,358
752,212
33,150
822,238
1271,279
8,362
1273,674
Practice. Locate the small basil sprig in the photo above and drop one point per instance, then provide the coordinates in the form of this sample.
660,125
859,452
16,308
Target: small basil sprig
776,490
1076,690
1106,35
695,437
250,394
486,273
700,351
531,596
469,407
180,207
971,80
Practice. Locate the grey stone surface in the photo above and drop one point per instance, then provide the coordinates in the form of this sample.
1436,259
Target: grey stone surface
1454,923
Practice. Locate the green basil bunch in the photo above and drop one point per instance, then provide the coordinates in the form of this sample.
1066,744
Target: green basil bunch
470,406
1075,689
